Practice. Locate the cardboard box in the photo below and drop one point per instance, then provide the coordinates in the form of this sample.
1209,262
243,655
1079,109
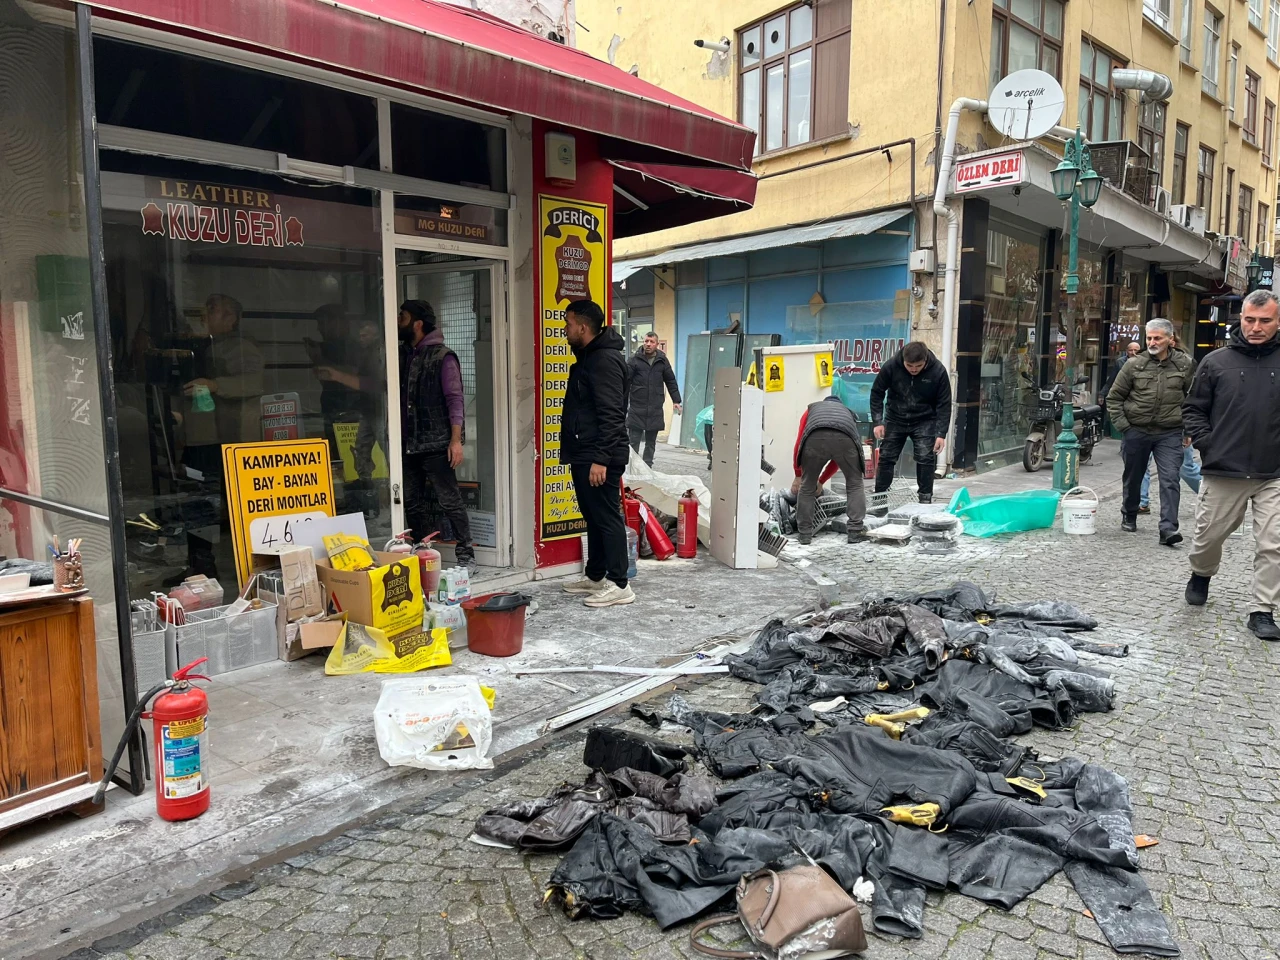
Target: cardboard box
388,597
319,634
302,593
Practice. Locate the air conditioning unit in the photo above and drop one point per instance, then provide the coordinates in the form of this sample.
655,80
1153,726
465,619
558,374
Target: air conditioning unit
1189,216
1162,200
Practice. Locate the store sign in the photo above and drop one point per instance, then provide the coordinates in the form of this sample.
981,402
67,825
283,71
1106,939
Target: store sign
272,479
279,416
447,228
998,170
217,213
1266,278
864,355
573,257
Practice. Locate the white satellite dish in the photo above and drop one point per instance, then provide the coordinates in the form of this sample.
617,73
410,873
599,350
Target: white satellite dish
1026,104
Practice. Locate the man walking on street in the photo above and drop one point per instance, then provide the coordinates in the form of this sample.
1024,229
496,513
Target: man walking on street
918,393
650,371
593,441
828,438
1234,420
1145,404
434,418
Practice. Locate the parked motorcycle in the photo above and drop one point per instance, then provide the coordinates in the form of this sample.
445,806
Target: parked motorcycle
1046,424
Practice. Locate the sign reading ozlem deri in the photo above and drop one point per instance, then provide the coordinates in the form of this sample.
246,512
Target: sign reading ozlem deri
573,257
217,213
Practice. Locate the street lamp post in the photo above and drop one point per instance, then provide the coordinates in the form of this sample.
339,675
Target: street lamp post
1074,181
1253,272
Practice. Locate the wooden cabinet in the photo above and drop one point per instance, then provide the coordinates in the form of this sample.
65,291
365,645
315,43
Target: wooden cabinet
50,744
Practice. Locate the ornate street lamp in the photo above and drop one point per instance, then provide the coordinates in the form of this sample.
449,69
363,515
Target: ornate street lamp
1075,182
1253,272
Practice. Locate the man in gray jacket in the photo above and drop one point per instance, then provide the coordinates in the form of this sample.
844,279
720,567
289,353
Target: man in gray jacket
1145,404
650,371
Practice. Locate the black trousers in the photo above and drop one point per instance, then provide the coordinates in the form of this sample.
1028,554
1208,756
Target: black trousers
648,437
606,530
1137,450
425,473
895,438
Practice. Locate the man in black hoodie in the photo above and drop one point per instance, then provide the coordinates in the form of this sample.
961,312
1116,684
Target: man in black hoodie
918,392
593,441
650,371
1233,417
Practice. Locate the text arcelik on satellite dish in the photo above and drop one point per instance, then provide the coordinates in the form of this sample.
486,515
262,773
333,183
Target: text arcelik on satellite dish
1026,104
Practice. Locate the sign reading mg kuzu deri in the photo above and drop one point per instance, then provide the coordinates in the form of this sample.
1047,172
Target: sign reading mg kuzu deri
572,238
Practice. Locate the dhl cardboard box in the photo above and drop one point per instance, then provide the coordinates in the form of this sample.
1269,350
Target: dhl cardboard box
388,597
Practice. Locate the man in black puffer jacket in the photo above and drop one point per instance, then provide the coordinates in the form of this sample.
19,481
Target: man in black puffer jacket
918,391
650,372
593,441
1233,417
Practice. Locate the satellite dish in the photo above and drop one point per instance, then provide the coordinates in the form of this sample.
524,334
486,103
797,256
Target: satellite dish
1026,104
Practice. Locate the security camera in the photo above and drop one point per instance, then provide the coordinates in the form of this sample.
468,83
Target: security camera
932,310
720,46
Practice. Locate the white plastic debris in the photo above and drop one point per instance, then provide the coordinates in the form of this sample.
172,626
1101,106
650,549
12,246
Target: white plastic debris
433,723
863,890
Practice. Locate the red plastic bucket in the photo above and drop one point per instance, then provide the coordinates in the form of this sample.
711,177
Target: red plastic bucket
495,624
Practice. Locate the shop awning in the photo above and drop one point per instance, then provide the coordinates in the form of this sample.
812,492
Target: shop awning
655,196
461,54
789,237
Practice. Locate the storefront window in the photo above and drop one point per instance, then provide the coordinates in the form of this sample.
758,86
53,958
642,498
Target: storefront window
244,307
1089,304
433,146
164,92
1008,342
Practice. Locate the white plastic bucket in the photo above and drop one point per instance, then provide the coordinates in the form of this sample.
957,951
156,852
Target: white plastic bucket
1080,513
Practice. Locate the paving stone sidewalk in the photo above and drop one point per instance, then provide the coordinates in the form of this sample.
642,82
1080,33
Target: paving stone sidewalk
1195,733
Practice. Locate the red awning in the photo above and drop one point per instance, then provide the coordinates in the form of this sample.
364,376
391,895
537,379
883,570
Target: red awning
460,54
655,196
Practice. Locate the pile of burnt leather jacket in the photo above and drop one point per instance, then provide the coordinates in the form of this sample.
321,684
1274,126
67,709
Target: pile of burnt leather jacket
879,749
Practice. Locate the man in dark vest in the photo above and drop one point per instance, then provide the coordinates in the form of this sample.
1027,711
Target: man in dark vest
828,439
434,413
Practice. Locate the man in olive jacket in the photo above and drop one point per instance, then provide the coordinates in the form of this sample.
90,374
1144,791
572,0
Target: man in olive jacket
1145,404
650,372
1233,417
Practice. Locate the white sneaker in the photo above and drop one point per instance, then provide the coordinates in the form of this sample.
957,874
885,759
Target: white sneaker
611,594
587,586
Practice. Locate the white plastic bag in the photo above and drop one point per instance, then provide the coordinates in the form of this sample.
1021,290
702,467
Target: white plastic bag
433,723
663,491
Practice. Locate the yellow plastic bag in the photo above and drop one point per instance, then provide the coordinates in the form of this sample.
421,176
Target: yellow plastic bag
361,649
347,552
434,653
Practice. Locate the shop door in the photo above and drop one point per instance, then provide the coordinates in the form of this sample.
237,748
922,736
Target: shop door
468,299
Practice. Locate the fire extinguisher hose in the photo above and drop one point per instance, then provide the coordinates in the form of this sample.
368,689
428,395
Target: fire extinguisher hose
129,728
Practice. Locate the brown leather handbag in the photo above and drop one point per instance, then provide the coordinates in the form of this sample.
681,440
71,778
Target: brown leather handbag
795,914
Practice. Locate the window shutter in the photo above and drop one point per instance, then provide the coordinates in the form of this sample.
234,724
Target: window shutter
831,68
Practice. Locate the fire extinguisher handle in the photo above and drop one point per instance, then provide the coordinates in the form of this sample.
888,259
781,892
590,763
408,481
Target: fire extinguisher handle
184,673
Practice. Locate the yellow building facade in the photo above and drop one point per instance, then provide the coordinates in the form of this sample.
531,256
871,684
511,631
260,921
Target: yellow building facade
851,101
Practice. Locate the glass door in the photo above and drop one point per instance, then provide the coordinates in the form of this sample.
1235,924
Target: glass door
467,297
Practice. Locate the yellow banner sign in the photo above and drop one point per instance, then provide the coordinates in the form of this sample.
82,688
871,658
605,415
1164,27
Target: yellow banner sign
775,375
823,364
573,251
271,479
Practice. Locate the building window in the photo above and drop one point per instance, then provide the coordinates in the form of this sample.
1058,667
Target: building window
1268,131
1244,214
1151,118
1255,13
1026,34
1181,134
1273,32
1157,11
1233,74
1227,196
1101,107
794,75
1212,51
1204,181
1188,25
1264,223
1252,84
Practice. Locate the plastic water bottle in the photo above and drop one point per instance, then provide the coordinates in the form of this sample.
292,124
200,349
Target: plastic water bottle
633,553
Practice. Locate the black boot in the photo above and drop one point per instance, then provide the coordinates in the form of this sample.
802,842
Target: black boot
1171,539
1263,626
1128,525
1197,590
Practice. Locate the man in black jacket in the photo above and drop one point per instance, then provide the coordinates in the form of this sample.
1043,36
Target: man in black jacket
650,370
1233,417
918,391
593,441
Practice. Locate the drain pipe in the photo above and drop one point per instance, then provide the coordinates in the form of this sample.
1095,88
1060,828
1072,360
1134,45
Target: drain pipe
942,209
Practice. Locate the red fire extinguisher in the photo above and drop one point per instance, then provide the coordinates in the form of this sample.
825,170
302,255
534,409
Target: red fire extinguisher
180,716
658,539
631,511
687,526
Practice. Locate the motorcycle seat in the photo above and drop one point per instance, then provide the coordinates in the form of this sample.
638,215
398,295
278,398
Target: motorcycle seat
1090,410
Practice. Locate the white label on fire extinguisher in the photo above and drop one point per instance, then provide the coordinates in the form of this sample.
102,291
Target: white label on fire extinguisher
181,745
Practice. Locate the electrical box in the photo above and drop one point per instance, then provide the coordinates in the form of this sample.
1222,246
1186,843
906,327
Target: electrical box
921,261
562,157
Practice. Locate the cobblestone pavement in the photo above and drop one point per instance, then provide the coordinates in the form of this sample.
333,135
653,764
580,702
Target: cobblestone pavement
1195,734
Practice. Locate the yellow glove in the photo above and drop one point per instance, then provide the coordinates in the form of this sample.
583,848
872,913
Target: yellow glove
923,815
